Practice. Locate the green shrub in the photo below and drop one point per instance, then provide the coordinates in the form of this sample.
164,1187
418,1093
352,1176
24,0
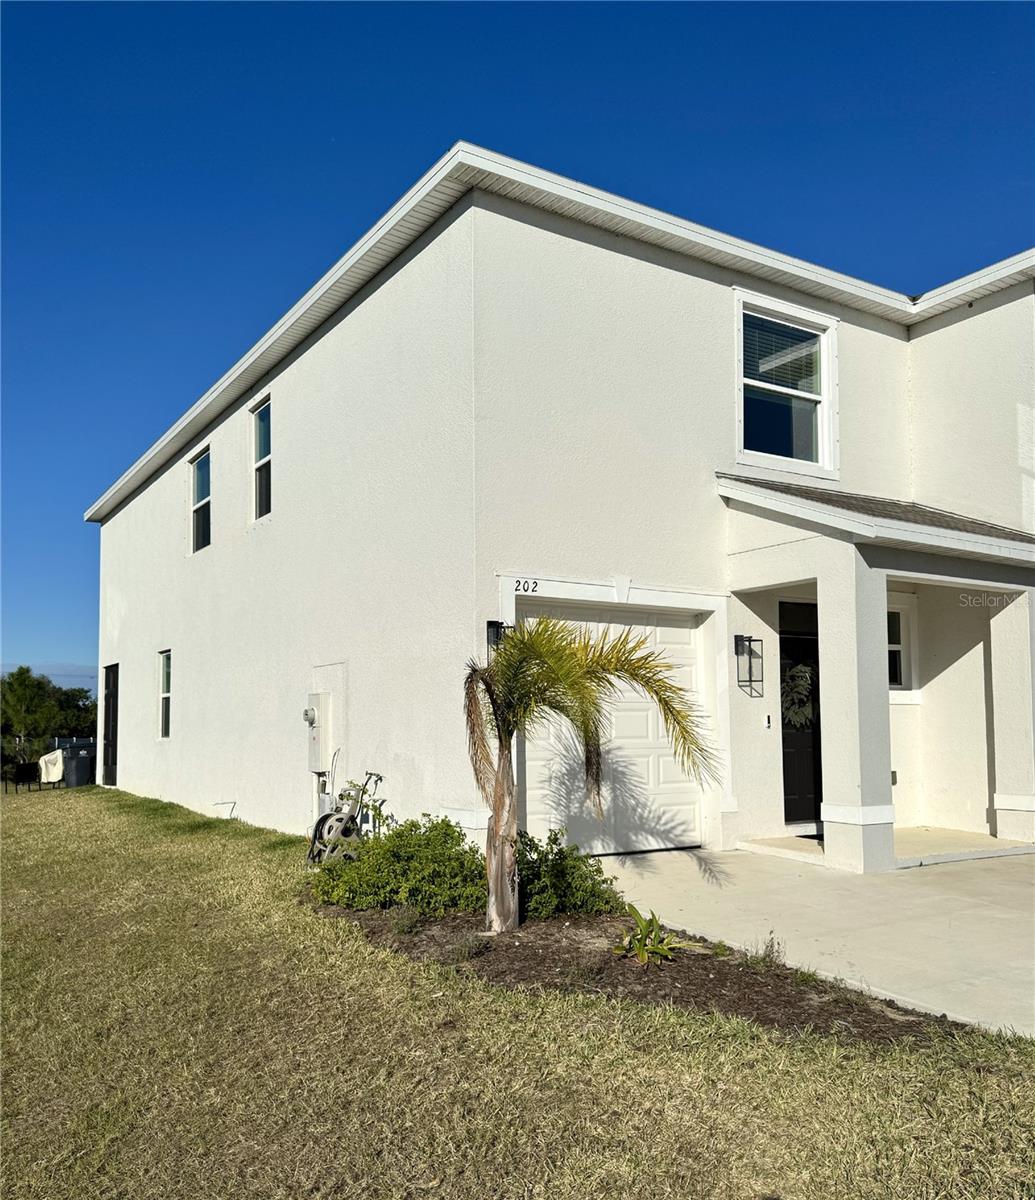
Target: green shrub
555,878
426,864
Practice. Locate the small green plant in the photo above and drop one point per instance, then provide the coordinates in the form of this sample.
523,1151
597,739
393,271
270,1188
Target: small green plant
554,878
428,865
648,941
769,955
405,919
721,950
471,945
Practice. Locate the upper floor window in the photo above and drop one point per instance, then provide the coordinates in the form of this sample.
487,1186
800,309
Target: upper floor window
787,413
201,501
263,449
165,659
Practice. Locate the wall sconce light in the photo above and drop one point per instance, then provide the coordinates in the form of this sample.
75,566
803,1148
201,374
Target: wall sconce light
494,631
748,651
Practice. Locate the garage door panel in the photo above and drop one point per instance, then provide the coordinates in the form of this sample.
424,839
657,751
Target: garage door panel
648,801
671,774
632,724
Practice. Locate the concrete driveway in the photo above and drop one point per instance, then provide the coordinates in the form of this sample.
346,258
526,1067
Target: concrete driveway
957,938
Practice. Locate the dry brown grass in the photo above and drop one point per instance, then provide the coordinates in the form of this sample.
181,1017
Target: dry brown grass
177,1026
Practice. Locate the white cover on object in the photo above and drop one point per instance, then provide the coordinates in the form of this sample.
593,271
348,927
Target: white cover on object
52,767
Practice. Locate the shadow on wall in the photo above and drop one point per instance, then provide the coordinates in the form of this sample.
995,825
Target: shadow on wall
627,809
958,715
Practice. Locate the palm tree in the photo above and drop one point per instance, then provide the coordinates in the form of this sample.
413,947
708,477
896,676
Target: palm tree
548,667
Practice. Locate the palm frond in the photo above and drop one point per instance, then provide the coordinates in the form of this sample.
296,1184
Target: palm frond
478,714
628,659
547,666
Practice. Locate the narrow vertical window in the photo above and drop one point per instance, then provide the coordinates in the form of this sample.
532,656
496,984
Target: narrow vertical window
165,659
201,512
895,671
263,481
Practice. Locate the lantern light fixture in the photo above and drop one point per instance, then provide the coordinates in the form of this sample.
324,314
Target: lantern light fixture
748,652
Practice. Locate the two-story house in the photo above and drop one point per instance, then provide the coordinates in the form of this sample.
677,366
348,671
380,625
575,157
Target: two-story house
517,394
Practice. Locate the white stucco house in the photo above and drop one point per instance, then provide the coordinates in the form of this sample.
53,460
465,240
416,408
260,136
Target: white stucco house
517,394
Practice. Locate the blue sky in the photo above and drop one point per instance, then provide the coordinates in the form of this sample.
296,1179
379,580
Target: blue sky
176,175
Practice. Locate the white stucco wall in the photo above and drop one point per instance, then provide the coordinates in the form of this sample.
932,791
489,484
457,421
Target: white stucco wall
972,397
517,394
955,674
605,393
907,764
365,561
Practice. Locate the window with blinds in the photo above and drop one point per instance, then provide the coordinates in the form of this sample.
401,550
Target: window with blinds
785,395
782,389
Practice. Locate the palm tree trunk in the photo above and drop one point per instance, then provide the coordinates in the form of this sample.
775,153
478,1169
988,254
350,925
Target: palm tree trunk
500,864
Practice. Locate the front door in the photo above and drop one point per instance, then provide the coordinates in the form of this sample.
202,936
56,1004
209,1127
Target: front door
110,753
799,707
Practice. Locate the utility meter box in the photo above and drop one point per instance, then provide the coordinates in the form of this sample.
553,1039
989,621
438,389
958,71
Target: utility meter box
317,716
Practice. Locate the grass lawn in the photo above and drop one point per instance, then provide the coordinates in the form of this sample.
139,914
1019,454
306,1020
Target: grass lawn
176,1025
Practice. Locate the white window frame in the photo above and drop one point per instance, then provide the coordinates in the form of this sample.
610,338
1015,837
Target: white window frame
908,692
828,443
164,694
195,505
261,462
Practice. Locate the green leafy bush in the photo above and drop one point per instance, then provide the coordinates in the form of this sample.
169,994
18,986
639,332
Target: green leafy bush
554,878
426,864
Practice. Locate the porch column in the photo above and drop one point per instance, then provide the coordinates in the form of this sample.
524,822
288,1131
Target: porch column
857,812
1012,631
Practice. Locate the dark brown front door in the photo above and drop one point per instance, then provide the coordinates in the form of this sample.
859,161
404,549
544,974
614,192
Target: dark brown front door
110,752
799,705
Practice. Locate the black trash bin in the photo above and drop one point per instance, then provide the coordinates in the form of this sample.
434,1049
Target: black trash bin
79,766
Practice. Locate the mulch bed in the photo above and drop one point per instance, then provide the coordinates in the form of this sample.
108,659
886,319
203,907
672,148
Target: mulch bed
574,954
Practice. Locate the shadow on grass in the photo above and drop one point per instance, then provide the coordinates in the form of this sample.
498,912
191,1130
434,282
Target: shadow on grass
177,821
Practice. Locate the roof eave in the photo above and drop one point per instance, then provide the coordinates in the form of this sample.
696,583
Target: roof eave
465,167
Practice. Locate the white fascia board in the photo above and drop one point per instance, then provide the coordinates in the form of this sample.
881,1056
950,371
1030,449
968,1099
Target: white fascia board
466,167
752,258
208,406
878,529
954,541
980,283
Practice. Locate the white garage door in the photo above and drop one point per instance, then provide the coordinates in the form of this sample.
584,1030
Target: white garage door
648,802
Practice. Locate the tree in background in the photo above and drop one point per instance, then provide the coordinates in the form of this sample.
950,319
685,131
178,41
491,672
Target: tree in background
34,710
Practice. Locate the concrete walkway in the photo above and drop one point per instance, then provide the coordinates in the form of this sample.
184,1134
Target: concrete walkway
957,938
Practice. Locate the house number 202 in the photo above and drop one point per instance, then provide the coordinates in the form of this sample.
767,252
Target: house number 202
526,585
